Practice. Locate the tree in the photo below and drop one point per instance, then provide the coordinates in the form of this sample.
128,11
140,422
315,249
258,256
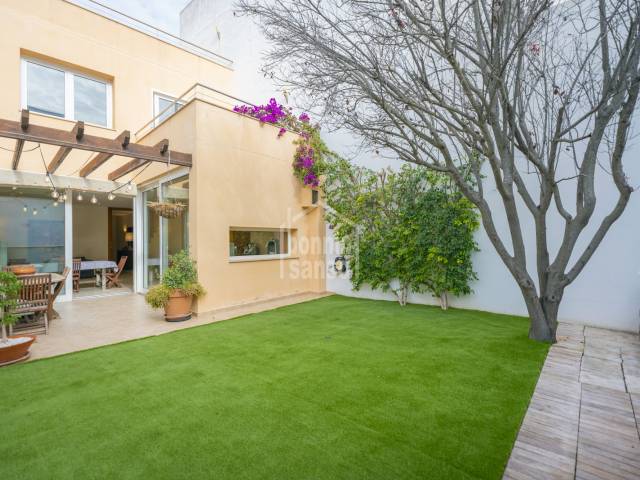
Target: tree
404,231
446,224
530,98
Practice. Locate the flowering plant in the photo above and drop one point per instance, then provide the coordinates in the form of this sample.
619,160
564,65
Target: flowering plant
309,158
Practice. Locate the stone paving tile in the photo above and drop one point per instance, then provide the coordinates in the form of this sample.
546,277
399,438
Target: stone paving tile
582,421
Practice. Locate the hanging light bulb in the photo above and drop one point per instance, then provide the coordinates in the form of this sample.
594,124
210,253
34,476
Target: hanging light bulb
111,196
55,194
63,197
79,197
55,204
24,209
35,211
94,200
129,187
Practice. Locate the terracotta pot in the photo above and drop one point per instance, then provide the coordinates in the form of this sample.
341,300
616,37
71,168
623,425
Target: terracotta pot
179,307
23,269
16,353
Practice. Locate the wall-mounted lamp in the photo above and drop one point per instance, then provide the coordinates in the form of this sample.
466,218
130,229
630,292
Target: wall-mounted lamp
340,264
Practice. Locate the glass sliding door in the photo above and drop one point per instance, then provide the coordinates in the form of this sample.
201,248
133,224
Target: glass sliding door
151,246
162,236
175,231
32,229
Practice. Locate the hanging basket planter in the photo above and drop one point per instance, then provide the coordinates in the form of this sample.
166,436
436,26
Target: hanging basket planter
167,210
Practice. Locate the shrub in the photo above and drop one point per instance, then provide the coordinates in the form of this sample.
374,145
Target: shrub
403,231
181,275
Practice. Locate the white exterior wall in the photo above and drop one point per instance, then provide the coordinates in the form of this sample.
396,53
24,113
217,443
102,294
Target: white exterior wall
606,294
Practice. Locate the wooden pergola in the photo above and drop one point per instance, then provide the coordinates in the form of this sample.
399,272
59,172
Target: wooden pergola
76,138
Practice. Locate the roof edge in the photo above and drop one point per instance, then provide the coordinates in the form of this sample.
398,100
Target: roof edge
149,30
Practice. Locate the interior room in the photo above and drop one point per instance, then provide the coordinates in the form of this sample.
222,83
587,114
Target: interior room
102,238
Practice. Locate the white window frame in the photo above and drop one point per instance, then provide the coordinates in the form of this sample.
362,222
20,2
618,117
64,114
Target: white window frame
69,90
156,95
138,226
255,258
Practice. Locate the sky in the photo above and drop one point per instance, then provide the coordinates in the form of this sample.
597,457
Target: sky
163,14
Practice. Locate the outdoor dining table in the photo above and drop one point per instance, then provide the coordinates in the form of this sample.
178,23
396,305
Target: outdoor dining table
103,266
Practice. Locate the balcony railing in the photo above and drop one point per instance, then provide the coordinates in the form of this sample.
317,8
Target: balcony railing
196,92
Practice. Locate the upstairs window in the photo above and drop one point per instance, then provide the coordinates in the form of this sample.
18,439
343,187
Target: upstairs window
45,90
59,92
164,106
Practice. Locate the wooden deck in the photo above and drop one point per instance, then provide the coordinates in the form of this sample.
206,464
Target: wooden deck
583,419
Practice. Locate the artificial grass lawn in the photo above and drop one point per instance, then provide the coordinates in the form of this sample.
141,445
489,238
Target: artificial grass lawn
332,388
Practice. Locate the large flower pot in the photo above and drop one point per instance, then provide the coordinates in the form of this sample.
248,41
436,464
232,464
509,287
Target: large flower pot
179,307
16,350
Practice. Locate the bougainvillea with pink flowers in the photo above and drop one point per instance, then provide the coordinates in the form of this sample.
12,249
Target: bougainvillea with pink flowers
311,152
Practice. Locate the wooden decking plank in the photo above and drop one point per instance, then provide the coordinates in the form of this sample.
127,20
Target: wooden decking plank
583,418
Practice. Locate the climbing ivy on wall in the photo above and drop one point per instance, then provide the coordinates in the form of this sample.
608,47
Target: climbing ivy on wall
403,231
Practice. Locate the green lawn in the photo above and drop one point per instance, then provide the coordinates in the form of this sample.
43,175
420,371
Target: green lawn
335,388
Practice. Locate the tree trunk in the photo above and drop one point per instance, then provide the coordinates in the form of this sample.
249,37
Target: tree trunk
543,323
4,338
402,293
444,301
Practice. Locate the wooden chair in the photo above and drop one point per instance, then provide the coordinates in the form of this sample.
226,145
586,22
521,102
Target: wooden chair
76,274
56,291
34,299
113,277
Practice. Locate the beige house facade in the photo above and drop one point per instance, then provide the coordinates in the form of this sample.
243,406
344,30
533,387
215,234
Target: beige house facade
253,229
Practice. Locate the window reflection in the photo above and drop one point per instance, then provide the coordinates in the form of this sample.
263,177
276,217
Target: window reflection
90,100
31,229
176,230
45,90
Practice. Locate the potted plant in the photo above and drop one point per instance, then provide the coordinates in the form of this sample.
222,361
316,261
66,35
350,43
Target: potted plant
177,289
16,348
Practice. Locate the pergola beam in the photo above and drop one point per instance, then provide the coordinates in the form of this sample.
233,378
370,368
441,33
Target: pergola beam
124,139
17,152
162,146
61,138
61,154
126,168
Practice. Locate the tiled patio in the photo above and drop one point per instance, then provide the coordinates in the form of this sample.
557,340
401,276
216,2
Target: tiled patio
96,321
583,419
